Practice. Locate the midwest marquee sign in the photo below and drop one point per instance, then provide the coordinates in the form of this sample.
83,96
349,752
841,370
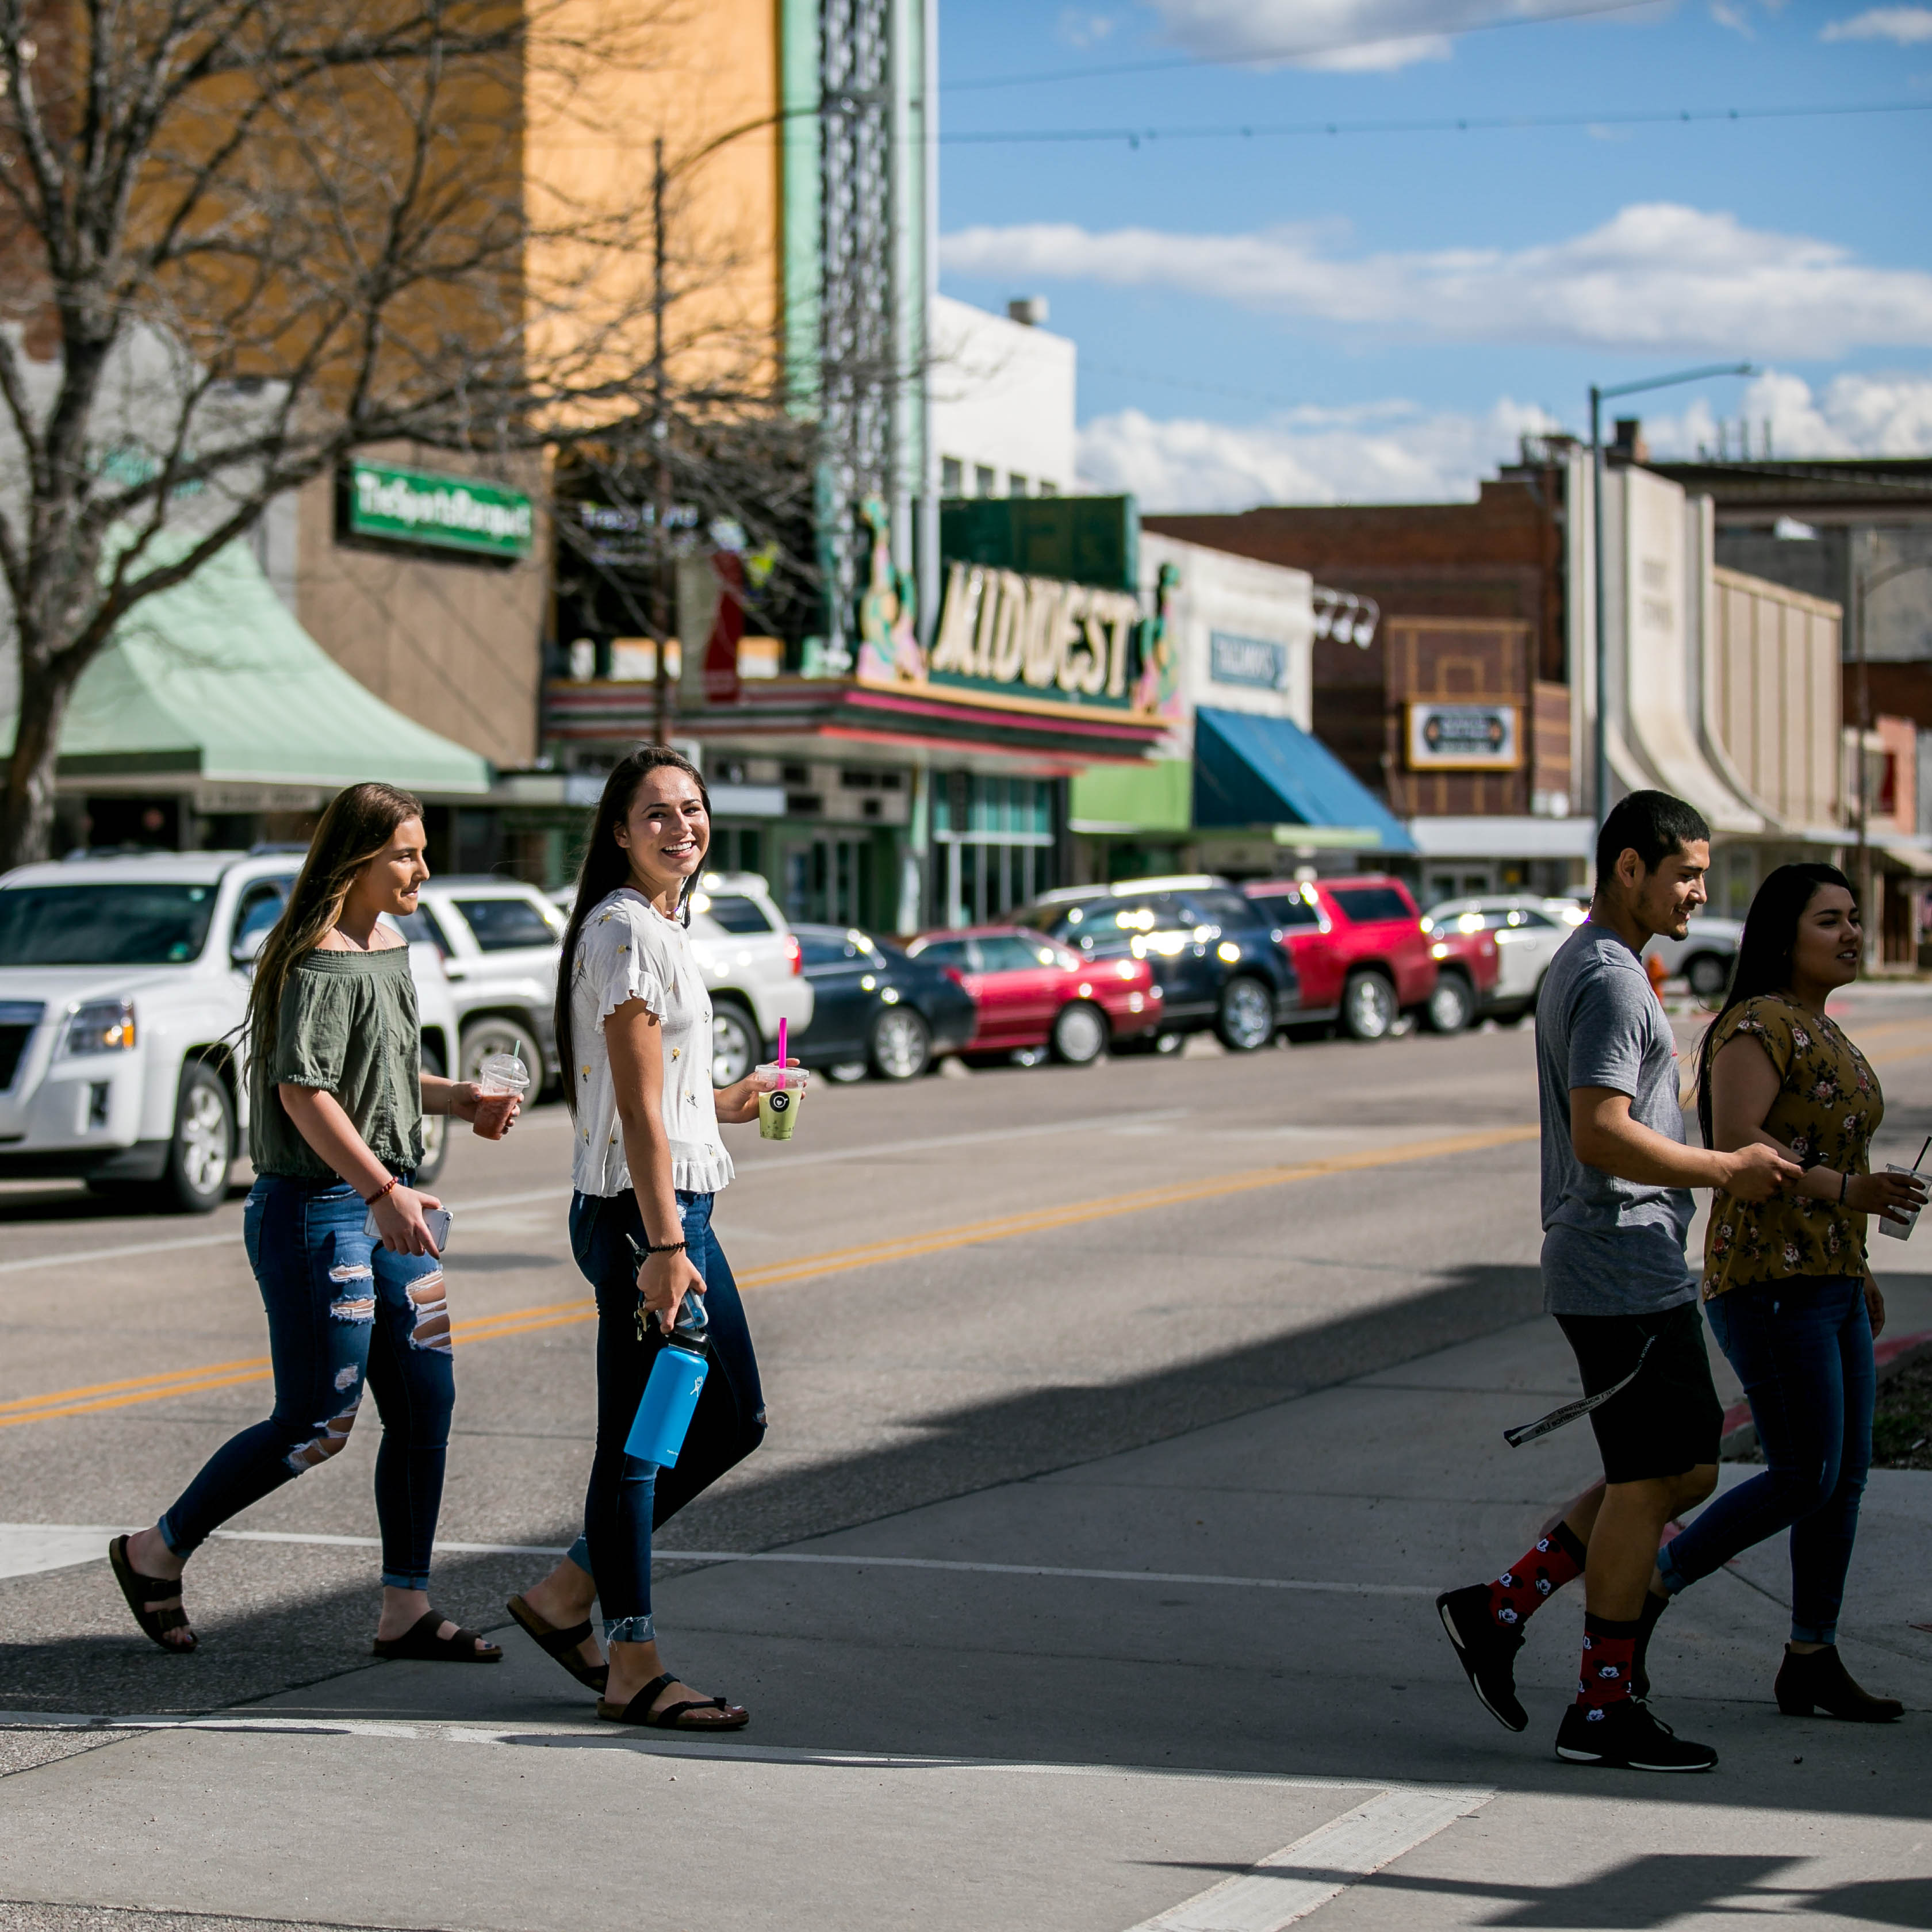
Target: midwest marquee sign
1038,638
458,513
1464,737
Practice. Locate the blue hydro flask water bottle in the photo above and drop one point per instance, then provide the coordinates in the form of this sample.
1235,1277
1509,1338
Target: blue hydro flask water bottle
677,1377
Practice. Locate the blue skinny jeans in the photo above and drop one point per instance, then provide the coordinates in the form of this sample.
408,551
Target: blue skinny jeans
628,1499
343,1311
1802,1347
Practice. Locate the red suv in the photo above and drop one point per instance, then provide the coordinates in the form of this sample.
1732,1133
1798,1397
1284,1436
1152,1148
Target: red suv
1358,947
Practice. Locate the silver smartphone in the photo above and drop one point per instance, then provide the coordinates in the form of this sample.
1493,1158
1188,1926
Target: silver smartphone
436,1220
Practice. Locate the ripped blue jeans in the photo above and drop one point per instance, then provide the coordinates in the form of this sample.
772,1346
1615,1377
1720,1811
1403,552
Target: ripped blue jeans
343,1311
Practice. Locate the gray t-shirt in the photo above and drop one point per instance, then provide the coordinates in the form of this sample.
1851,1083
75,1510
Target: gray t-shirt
1609,1246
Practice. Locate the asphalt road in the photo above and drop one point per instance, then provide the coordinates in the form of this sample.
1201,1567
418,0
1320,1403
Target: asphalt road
968,1294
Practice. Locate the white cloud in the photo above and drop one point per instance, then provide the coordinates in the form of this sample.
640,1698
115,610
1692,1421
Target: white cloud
1081,27
1393,451
1656,276
1906,26
1851,416
1345,35
1303,456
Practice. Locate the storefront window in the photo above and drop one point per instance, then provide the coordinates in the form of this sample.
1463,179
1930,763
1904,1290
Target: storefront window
992,845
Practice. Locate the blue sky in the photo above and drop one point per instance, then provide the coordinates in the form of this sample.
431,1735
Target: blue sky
1378,315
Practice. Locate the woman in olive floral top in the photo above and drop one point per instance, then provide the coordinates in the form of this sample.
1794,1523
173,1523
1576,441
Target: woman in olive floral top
1787,1283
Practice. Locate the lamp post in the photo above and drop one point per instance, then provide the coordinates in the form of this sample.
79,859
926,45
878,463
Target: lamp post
1599,395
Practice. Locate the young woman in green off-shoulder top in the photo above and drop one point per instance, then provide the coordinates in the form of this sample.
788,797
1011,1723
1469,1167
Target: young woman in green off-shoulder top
337,1095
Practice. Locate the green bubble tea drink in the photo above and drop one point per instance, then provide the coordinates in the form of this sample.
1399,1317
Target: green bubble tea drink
777,1110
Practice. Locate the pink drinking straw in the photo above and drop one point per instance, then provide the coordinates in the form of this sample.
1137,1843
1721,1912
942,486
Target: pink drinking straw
782,1048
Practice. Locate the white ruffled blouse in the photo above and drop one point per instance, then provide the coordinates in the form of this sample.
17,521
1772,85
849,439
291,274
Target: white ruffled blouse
628,950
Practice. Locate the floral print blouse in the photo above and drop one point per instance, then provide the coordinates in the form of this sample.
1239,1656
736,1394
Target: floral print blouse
1828,1108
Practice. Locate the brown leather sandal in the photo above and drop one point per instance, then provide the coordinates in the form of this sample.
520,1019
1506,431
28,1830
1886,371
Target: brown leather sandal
561,1644
420,1643
138,1589
673,1717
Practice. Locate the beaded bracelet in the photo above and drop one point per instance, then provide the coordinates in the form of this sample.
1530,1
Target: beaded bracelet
370,1200
668,1248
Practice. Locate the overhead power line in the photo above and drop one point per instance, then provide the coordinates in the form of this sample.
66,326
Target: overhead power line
1464,124
1298,50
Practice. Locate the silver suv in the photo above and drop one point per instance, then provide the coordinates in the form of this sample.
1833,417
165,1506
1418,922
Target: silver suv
123,982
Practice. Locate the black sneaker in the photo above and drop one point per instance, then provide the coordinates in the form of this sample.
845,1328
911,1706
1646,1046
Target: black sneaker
1486,1651
1627,1735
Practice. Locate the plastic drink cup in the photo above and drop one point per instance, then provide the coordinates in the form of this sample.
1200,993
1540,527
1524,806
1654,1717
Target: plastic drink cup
1899,1231
503,1080
777,1110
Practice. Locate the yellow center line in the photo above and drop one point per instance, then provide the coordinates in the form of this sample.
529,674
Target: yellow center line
561,1314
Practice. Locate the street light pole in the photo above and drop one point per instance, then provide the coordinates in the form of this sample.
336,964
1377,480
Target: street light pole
1599,395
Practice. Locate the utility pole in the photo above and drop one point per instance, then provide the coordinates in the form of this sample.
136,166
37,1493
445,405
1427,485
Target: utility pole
661,601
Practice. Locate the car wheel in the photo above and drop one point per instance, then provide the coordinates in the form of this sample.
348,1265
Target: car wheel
847,1072
195,1180
901,1045
1080,1032
1246,1021
1708,975
735,1043
1368,1007
1452,1006
435,1129
497,1034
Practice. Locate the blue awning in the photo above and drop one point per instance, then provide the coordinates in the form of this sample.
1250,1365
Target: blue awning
1250,770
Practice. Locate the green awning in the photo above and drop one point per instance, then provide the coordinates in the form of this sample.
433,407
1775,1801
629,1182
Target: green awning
216,678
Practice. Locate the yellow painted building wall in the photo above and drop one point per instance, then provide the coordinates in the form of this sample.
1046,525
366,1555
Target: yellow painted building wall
688,73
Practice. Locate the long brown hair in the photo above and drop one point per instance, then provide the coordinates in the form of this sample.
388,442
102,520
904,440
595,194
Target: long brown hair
358,825
1765,947
606,866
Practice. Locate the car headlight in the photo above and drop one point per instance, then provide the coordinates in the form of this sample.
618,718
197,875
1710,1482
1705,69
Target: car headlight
1229,953
101,1026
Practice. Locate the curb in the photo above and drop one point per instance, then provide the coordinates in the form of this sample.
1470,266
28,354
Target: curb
1739,1441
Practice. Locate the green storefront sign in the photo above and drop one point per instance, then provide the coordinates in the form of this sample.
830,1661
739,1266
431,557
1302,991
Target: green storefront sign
414,506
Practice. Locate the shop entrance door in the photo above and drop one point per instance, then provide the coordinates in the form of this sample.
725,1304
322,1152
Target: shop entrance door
826,879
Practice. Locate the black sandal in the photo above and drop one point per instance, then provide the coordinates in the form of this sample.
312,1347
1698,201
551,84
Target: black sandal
138,1588
421,1644
561,1644
672,1717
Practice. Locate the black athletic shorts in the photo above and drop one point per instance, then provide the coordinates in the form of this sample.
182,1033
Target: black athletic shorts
1669,1419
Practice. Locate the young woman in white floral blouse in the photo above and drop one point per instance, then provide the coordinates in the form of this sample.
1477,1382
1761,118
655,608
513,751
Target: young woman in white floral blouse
1787,1284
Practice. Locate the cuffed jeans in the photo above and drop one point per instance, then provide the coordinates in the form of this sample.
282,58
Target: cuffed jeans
342,1311
1802,1347
628,1499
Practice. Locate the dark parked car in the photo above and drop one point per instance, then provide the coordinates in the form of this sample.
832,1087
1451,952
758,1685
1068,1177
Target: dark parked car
1216,956
876,1010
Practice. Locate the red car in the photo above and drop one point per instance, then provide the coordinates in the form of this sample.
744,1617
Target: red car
1467,968
1034,993
1358,947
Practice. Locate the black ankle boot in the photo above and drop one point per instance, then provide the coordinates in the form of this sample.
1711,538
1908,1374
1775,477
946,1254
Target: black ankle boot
1818,1677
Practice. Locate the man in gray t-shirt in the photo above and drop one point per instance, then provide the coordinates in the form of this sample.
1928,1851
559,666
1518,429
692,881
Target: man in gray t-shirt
1610,1246
1616,1206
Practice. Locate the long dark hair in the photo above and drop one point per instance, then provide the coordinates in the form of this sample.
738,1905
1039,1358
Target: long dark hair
1763,964
356,827
606,866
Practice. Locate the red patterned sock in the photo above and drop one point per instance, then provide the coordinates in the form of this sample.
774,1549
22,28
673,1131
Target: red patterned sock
1609,1648
1525,1587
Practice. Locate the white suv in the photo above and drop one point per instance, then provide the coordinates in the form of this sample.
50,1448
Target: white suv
498,939
752,967
123,984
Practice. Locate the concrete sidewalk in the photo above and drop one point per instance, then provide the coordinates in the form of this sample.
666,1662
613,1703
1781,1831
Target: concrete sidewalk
967,1716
